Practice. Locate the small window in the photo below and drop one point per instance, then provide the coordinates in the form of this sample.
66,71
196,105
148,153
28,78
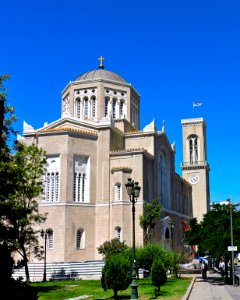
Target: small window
49,236
80,238
118,233
118,192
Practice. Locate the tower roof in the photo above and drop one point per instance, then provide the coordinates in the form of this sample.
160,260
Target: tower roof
102,75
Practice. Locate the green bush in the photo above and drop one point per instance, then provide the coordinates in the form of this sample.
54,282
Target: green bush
158,274
145,256
116,273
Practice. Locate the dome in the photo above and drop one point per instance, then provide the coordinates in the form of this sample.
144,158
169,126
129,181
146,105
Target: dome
102,75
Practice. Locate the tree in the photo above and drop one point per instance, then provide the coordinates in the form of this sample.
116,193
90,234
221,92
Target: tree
21,172
116,273
152,211
21,206
158,273
112,247
213,233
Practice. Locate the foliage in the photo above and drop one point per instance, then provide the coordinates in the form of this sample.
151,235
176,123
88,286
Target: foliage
7,118
21,207
175,260
213,233
152,211
112,247
158,273
116,273
145,256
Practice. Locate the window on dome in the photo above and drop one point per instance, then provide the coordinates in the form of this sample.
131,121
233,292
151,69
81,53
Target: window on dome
121,109
106,106
78,108
114,108
86,108
93,106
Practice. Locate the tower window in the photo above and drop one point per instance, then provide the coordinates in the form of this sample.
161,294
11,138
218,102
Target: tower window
193,149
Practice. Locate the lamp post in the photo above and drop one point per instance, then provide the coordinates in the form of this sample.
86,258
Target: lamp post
171,225
44,235
133,191
231,230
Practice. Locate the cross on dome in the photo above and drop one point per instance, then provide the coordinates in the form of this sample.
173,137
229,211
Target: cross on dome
101,66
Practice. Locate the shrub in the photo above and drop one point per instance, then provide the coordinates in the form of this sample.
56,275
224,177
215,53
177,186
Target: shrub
158,274
116,273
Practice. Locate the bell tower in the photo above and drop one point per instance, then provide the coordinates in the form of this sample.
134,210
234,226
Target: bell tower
195,168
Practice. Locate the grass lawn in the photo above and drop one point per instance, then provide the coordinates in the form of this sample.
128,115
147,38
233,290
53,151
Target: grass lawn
174,289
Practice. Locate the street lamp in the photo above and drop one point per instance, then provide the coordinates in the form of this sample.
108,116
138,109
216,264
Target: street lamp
231,229
171,225
133,191
44,234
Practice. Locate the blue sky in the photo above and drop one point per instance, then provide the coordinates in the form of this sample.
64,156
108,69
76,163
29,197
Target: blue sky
171,51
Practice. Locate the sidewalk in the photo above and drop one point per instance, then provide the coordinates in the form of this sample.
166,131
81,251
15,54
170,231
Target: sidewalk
212,288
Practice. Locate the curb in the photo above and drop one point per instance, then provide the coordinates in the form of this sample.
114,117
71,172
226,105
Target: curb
186,296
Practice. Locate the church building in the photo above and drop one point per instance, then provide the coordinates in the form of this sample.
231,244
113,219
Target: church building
92,151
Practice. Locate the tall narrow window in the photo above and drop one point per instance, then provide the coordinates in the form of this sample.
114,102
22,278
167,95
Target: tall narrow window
121,109
52,180
85,108
106,106
114,108
118,233
193,149
77,108
118,192
80,238
81,181
49,235
93,106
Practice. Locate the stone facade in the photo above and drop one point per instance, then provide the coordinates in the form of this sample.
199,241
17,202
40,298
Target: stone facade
92,150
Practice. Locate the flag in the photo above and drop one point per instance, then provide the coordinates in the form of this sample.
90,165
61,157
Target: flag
196,103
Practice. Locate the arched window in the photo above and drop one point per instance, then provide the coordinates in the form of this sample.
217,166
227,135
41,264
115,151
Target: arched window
80,238
93,106
52,180
106,106
78,108
114,102
49,236
81,181
121,114
167,234
193,142
118,233
118,192
86,108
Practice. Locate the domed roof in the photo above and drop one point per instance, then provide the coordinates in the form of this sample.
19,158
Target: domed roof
101,74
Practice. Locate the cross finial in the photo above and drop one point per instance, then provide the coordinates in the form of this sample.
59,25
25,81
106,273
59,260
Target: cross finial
101,66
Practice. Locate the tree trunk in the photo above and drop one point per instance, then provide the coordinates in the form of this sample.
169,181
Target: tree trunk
115,294
25,263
